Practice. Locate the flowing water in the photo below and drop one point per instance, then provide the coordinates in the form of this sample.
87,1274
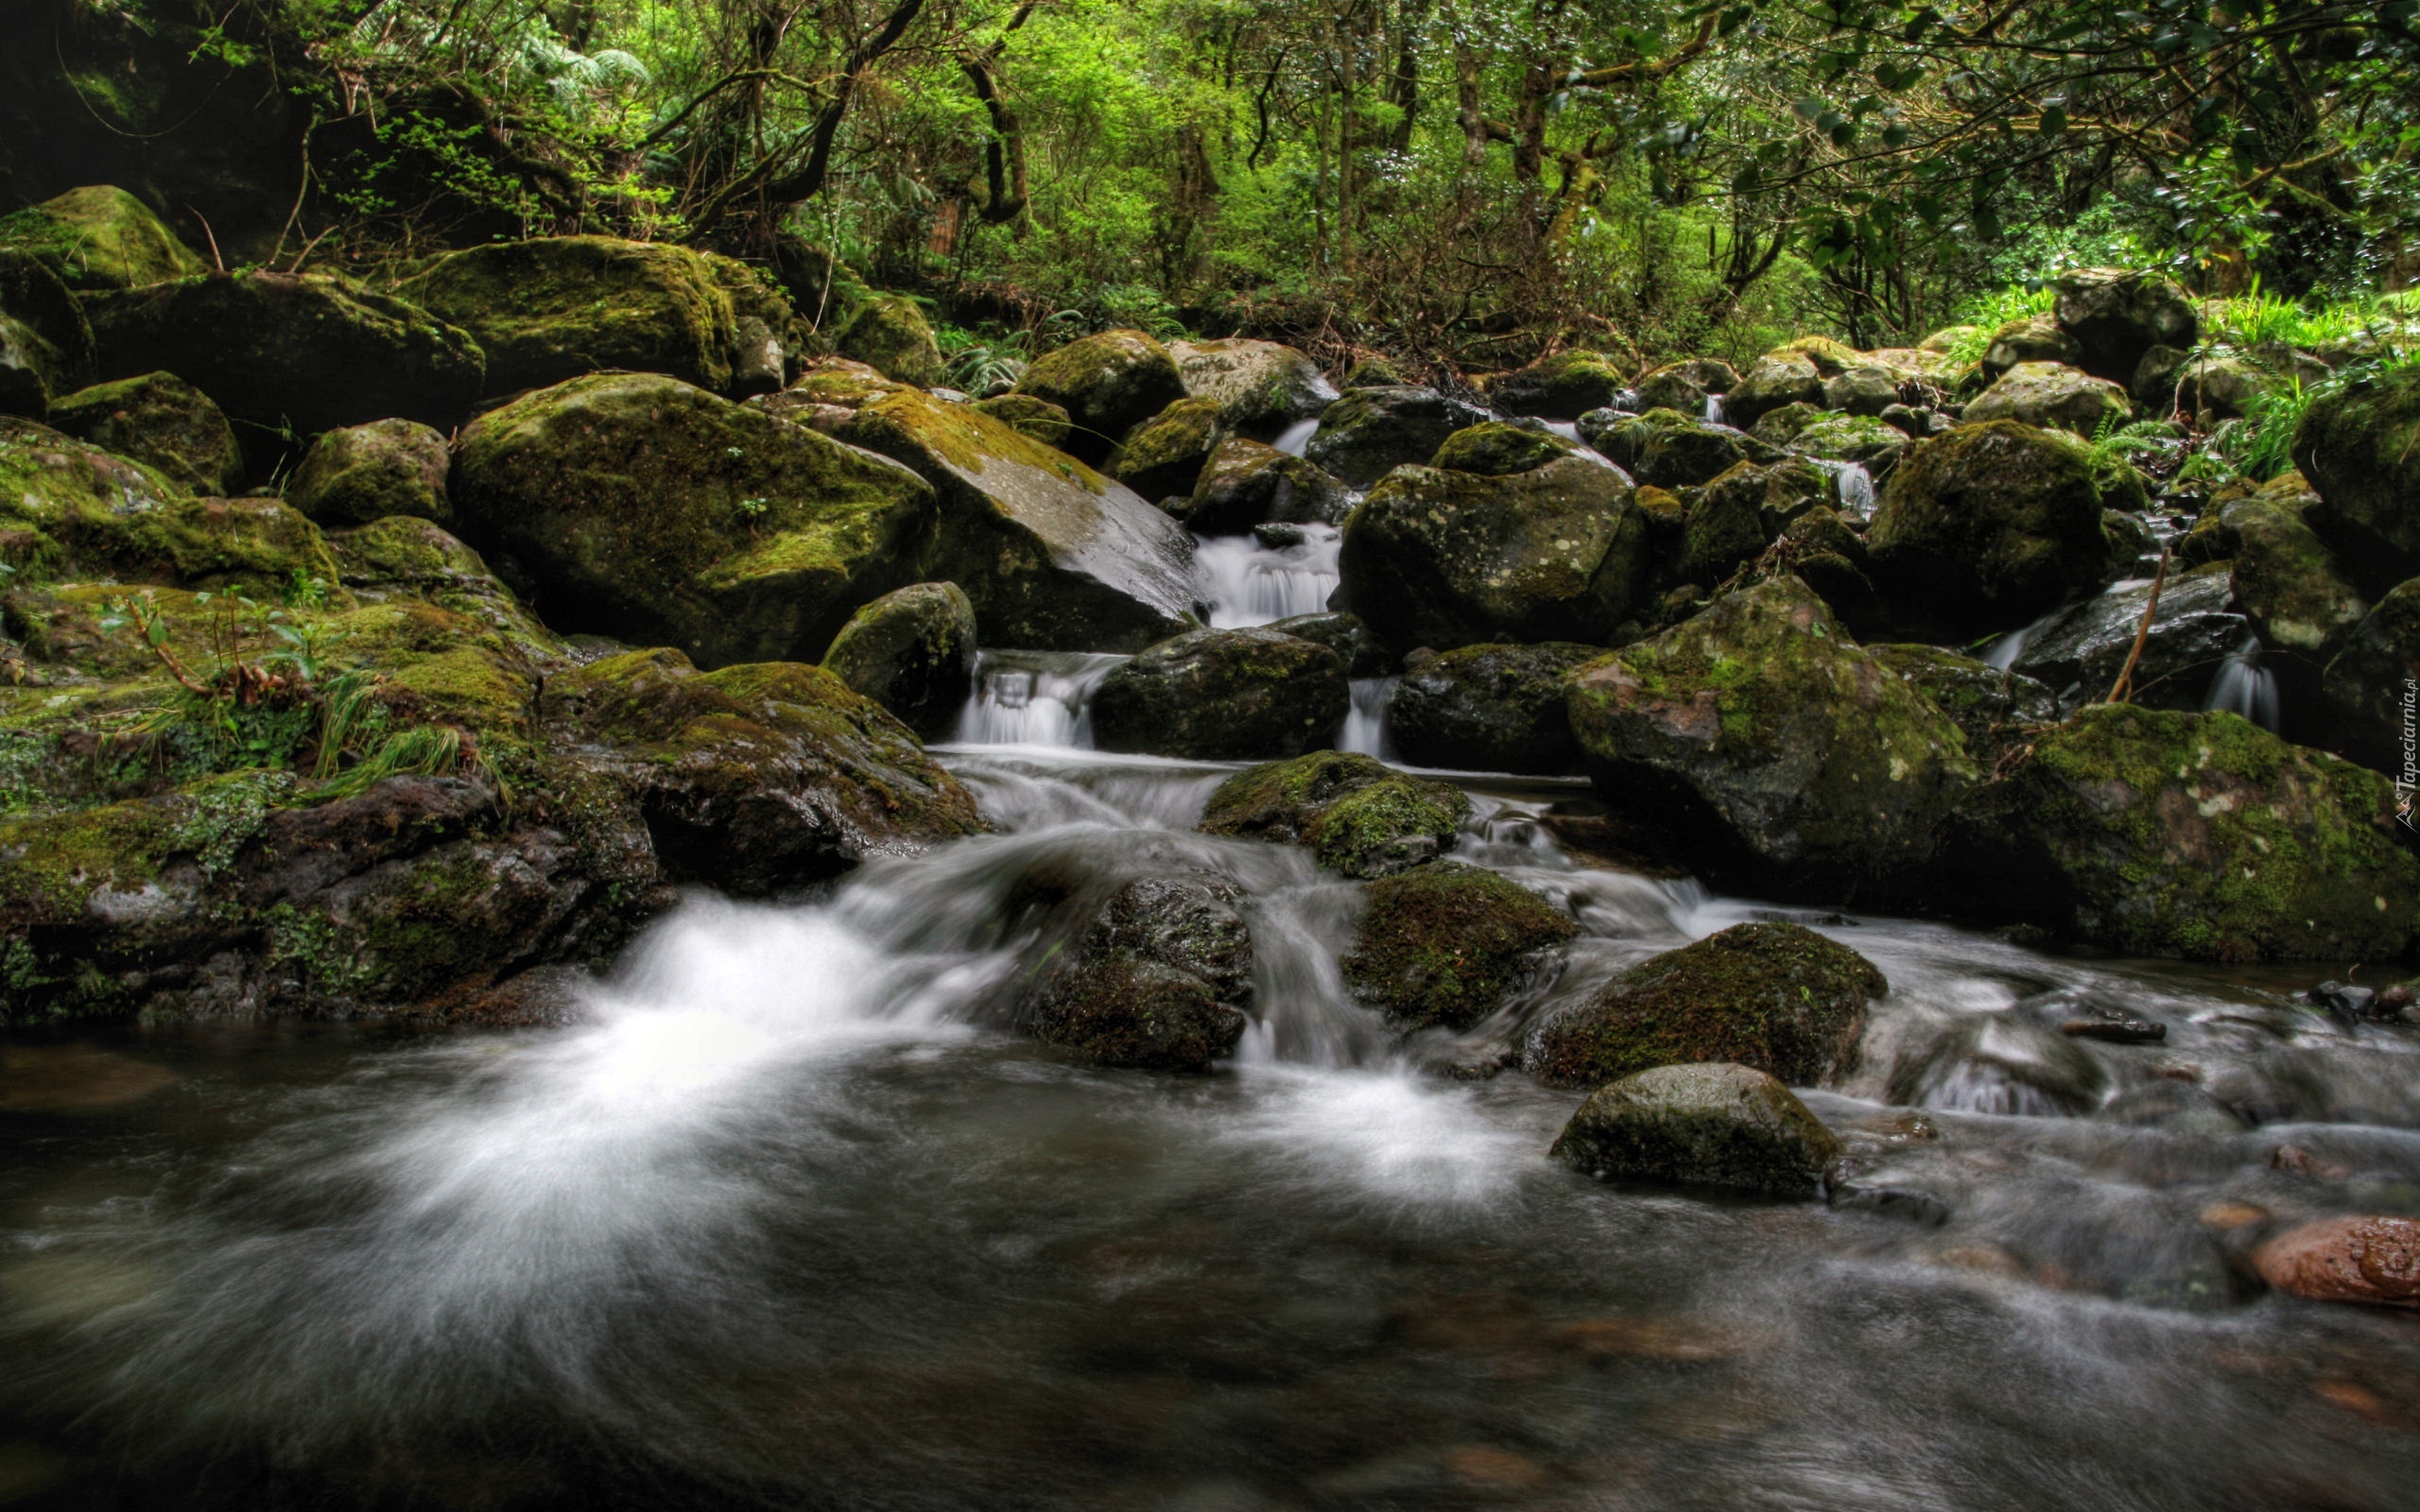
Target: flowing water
1296,439
2242,685
1714,409
1248,582
788,1219
1854,485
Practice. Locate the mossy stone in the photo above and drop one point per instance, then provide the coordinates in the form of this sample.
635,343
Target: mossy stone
1240,695
2050,395
101,237
1446,945
1778,378
1358,816
1489,708
1371,431
160,420
1165,455
1108,384
1563,386
1994,707
1874,444
1684,386
912,651
1247,483
1037,420
890,334
365,473
1705,1125
1259,386
1666,449
2359,446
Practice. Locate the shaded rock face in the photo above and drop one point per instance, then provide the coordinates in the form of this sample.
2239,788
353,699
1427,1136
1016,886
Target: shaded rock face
642,507
2193,630
1775,997
2359,447
1247,695
890,334
161,421
1358,816
556,307
46,347
1863,389
1364,655
1371,431
100,237
1245,483
1683,386
365,473
2199,836
1053,556
1781,756
1165,455
1442,558
912,651
2368,685
1710,1125
1666,449
1153,981
1108,385
2288,584
1260,388
1563,386
305,351
1447,945
1988,526
1489,708
2046,394
2363,1259
1992,708
1777,379
2035,338
1874,444
2114,316
1740,512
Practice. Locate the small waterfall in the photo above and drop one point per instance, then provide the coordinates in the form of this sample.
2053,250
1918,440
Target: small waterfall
1854,484
1033,698
1365,723
1625,402
2002,653
2244,686
1294,438
1246,582
1568,430
1714,409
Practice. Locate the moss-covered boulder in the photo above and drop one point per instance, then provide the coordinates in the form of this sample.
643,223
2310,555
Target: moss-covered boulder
890,334
101,237
2359,446
1442,557
1779,427
835,383
1862,388
2368,685
1994,707
1740,512
294,353
1246,483
1108,384
365,473
2201,836
639,506
1777,379
46,348
1684,386
2030,338
2116,315
758,777
1784,759
2193,629
2288,584
1563,386
1248,695
1666,449
1988,526
1445,945
1777,997
1164,457
1706,1125
1054,555
1371,431
767,335
912,651
555,307
2051,396
1876,445
1489,708
1153,982
1358,816
160,420
1260,388
28,371
1037,420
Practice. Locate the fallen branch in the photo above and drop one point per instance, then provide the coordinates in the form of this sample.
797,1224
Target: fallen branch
2122,689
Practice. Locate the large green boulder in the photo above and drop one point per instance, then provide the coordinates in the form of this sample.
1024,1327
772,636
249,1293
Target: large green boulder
890,334
556,307
1446,945
1246,483
1247,695
2031,339
2117,315
2203,836
1489,708
1778,753
1684,386
1666,449
1370,431
2368,687
1563,386
1358,816
2288,584
912,651
365,473
1260,388
2359,447
1163,457
101,237
1987,526
1994,707
1778,378
1108,384
639,506
160,420
1704,1126
1442,557
294,353
1774,996
2051,396
1055,557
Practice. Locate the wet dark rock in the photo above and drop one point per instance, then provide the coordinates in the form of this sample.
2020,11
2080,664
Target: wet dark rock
1489,708
2366,1259
1669,449
2007,1064
1371,431
1364,654
2295,592
164,422
1563,386
1716,1125
2359,446
1992,708
1886,1196
1777,997
1166,454
365,473
1684,386
2346,1003
2193,630
1242,695
1108,384
2368,688
1742,512
1446,945
1153,979
2117,315
1245,484
912,651
1260,388
2115,1029
47,346
1779,427
1358,816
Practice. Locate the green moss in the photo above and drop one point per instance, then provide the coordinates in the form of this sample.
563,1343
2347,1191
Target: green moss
1036,418
963,436
556,307
1448,944
890,334
1497,450
101,237
161,421
1358,816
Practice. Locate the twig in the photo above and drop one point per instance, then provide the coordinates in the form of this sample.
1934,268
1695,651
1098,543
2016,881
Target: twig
215,258
2122,689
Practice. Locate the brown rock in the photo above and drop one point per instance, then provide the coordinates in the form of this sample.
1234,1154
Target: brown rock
2346,1260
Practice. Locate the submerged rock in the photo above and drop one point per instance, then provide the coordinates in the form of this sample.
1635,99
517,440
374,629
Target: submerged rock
2363,1259
1149,976
1108,384
1714,1126
1776,997
160,420
1489,708
1358,816
365,473
1372,430
1244,694
912,651
1446,945
1260,388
